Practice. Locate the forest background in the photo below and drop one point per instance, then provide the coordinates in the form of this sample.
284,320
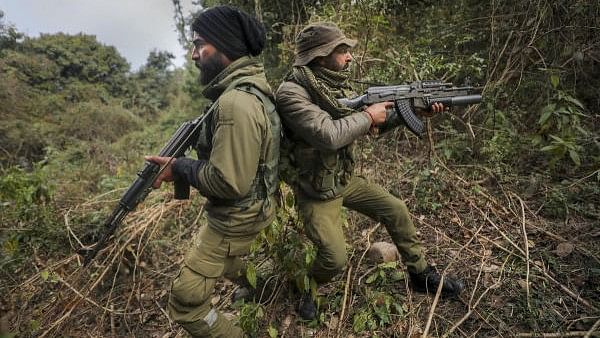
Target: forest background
505,194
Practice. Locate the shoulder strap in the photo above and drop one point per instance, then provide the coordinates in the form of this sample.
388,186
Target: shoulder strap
266,100
268,167
269,108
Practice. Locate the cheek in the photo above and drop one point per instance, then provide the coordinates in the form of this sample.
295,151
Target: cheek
342,61
204,52
207,51
343,58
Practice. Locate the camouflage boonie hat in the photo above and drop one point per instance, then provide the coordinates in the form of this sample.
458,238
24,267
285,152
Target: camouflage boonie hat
319,39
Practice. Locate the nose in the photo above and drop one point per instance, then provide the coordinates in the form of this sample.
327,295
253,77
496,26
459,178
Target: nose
349,57
195,53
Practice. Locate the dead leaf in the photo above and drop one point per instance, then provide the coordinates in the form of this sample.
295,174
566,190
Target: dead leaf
333,322
287,321
564,249
498,302
578,280
523,284
490,268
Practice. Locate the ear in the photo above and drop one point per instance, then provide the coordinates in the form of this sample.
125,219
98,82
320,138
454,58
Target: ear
320,60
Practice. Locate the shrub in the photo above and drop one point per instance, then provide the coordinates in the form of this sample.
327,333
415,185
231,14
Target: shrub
87,121
28,213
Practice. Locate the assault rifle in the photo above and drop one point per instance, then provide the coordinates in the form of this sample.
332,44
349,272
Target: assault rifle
408,97
179,143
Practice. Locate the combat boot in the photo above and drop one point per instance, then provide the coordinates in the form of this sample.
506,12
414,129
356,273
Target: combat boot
264,291
245,291
428,281
307,309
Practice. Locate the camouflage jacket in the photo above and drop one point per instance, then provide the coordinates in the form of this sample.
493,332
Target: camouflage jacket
323,146
234,148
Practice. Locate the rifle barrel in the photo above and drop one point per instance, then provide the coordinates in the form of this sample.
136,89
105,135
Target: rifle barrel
450,101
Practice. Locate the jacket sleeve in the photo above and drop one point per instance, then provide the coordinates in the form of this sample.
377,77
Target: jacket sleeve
236,146
314,125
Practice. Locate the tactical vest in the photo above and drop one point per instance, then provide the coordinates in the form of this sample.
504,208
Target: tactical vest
266,181
322,174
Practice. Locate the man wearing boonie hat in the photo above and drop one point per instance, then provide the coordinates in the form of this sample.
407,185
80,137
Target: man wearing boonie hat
320,136
236,170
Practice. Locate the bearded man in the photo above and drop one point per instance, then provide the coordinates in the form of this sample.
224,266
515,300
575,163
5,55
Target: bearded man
236,170
322,134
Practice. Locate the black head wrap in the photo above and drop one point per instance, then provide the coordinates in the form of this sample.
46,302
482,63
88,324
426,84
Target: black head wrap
231,31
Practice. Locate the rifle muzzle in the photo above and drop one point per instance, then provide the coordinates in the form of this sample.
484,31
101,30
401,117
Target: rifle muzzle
457,100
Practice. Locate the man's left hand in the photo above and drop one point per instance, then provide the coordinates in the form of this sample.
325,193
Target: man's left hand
167,173
435,108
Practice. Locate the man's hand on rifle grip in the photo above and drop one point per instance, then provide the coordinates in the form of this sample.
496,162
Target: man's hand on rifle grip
166,175
378,112
435,108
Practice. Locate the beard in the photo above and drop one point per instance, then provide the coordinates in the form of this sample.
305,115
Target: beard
331,64
210,68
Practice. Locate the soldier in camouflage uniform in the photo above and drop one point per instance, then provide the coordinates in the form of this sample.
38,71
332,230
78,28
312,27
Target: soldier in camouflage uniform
238,151
322,134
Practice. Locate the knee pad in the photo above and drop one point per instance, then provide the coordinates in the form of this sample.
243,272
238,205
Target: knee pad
191,288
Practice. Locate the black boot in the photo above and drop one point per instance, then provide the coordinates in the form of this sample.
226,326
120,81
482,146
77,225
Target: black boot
307,309
245,291
428,281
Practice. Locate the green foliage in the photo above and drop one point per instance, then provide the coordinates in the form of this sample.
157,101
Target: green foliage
82,58
251,274
23,191
191,87
89,121
503,145
27,212
379,311
59,89
250,317
272,332
284,241
9,36
560,130
385,273
573,197
429,189
37,70
19,132
151,84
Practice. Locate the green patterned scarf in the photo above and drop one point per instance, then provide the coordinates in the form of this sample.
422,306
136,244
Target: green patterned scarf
325,87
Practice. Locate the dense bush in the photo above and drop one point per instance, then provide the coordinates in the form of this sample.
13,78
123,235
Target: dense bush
30,221
82,58
88,121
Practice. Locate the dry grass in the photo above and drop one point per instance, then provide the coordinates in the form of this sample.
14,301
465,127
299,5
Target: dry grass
526,275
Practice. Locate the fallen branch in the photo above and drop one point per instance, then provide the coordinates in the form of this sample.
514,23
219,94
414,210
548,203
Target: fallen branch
560,334
346,292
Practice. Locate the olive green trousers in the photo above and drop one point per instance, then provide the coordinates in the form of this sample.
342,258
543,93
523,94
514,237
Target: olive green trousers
211,256
323,225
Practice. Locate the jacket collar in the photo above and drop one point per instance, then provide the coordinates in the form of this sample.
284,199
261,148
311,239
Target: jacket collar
243,70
